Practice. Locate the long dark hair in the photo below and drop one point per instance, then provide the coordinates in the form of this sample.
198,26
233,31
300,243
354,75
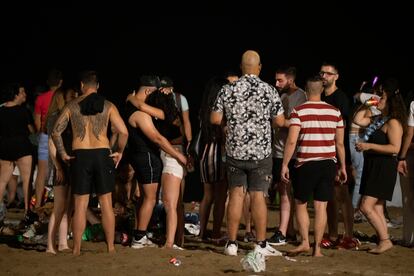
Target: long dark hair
395,104
210,133
166,103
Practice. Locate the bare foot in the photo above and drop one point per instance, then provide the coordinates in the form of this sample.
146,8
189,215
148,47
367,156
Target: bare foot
302,248
50,251
63,248
111,249
317,254
75,252
383,246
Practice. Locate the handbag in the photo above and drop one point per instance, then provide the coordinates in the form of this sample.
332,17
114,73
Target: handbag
194,148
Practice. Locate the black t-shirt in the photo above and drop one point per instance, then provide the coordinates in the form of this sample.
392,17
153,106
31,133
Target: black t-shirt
14,121
340,100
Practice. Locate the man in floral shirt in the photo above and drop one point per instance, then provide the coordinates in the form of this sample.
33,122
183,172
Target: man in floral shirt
251,107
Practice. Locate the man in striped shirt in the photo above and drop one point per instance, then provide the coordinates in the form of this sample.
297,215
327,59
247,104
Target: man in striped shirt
317,129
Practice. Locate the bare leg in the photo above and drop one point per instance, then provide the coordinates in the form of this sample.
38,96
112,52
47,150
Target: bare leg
220,196
170,194
42,169
285,206
63,233
145,212
79,221
25,167
179,233
259,214
11,189
384,244
205,207
347,210
332,211
60,195
234,211
6,171
247,213
372,209
319,225
303,225
108,220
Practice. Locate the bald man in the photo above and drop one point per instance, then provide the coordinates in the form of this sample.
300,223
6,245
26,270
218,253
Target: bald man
318,129
251,106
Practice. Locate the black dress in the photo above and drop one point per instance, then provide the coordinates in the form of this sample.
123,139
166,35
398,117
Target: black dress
380,170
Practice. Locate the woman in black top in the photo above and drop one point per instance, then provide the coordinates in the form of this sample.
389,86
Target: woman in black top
382,143
16,124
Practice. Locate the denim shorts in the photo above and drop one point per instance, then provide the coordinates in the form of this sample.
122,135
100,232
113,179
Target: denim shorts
253,175
171,165
43,147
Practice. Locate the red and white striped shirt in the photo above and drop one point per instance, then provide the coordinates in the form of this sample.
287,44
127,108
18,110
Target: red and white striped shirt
318,122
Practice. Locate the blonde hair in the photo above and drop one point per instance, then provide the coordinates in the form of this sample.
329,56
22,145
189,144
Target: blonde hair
57,103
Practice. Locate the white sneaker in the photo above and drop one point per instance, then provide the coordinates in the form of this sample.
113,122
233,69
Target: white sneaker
143,242
176,247
230,249
253,262
267,251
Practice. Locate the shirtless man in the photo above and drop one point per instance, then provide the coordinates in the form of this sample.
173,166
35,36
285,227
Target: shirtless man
91,167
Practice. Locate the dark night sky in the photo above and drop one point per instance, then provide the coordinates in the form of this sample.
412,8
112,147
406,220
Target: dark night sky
121,44
191,45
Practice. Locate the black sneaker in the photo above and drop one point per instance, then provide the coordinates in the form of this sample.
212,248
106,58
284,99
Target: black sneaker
277,239
291,238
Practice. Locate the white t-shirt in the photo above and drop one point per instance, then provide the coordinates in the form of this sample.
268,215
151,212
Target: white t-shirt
411,115
184,102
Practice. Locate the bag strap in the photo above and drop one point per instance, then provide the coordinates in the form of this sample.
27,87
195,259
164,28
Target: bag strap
178,101
376,124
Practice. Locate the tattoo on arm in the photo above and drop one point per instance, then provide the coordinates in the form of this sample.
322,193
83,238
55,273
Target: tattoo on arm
60,126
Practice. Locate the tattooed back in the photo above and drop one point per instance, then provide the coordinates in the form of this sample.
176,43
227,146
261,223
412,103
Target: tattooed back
89,131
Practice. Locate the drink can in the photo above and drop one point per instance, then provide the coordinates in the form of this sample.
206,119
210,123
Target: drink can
372,102
175,261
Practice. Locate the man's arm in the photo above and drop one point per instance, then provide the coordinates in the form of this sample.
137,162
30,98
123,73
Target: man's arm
37,122
402,163
144,122
216,117
280,121
58,128
187,126
53,157
340,152
120,131
290,146
141,105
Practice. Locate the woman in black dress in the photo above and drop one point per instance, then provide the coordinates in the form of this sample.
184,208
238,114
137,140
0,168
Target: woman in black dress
381,145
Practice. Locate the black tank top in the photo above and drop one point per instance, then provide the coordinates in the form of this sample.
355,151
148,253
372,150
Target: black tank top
137,140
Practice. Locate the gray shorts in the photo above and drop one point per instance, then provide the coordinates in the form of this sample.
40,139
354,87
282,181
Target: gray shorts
253,175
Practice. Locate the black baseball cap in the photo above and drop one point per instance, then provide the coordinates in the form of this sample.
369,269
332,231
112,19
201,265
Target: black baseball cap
150,80
167,82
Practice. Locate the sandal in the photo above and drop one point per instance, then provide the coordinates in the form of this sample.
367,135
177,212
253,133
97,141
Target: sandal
327,243
349,243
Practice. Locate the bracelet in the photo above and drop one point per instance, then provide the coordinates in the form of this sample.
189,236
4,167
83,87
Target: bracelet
400,158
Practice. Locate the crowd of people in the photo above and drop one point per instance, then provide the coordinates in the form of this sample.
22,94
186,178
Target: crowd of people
254,140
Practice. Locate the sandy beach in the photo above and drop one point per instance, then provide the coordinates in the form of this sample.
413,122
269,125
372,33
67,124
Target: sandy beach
206,259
